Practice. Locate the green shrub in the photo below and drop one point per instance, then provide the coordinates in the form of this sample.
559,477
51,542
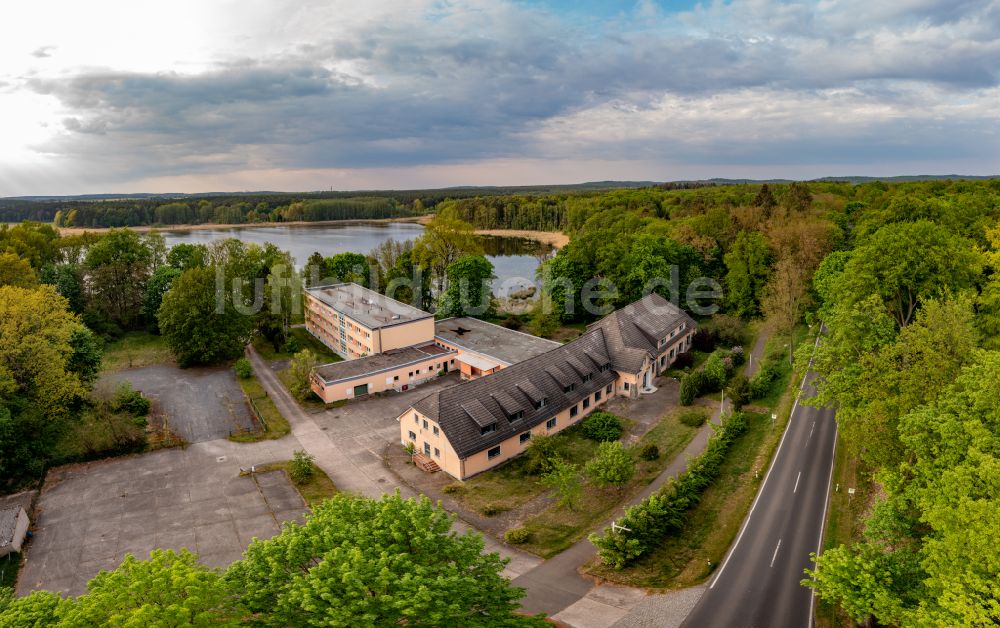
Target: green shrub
490,510
611,466
602,426
517,536
292,345
662,513
739,391
301,469
738,355
691,386
728,330
649,452
451,489
128,400
715,373
760,384
243,368
693,418
542,451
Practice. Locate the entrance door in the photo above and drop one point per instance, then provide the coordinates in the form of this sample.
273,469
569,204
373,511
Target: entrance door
645,380
361,390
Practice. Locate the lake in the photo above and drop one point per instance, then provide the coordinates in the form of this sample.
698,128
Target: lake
514,260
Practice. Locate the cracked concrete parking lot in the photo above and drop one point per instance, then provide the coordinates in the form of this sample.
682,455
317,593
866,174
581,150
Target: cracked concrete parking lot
89,516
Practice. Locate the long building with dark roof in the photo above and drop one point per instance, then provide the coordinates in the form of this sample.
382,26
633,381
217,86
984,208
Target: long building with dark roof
478,424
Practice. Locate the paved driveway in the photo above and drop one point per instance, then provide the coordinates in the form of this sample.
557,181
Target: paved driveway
200,404
89,516
362,428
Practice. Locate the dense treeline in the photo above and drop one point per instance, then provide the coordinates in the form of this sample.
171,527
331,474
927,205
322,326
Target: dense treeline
910,362
141,210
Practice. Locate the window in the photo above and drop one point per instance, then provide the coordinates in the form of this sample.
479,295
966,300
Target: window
436,430
416,419
425,424
569,388
540,404
597,396
427,448
605,367
575,410
525,437
395,378
551,423
610,388
411,373
489,429
588,377
413,436
626,385
493,453
418,371
586,403
437,452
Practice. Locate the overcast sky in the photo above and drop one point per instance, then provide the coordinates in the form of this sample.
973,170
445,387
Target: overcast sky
207,95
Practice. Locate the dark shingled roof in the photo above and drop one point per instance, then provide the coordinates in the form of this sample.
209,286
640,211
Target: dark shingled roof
514,388
634,330
624,339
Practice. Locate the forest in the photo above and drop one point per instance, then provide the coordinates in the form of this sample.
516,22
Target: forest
904,278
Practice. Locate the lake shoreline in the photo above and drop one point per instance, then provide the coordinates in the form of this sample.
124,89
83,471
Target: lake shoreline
555,239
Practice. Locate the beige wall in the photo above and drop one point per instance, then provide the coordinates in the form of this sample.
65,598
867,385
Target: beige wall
383,380
479,462
323,322
406,334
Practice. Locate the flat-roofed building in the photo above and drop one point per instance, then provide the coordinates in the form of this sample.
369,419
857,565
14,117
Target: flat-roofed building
485,348
355,321
473,426
388,345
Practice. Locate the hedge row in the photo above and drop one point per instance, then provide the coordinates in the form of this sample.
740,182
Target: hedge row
662,513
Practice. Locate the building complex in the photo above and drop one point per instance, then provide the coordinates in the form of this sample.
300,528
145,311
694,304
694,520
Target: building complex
475,425
389,345
514,385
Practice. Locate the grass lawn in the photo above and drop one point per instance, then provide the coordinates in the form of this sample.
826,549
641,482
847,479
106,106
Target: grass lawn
556,528
509,486
314,490
275,425
9,566
844,521
306,341
682,560
135,349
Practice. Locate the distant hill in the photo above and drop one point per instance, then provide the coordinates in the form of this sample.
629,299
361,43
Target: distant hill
473,190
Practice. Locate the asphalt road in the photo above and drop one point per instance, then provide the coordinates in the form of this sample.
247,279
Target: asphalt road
758,581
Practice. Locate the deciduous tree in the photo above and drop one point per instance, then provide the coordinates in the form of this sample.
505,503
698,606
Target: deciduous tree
360,562
199,321
612,465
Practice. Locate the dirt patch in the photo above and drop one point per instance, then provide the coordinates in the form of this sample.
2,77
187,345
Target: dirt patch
555,239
